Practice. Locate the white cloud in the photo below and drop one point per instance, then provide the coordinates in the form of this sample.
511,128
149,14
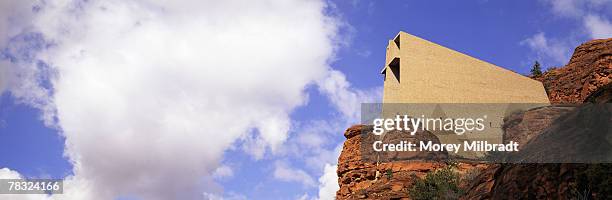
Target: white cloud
315,134
592,13
230,196
6,173
149,94
284,172
556,52
325,156
14,17
22,76
223,171
319,135
346,99
303,197
328,183
592,17
577,8
567,8
364,53
3,75
598,27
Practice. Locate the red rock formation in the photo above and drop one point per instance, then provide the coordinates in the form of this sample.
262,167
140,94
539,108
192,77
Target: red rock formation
588,75
361,179
522,127
586,78
524,181
519,127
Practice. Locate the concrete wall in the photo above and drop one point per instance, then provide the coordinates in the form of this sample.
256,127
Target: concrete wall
430,73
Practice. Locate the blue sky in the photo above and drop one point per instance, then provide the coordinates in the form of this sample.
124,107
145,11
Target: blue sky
511,34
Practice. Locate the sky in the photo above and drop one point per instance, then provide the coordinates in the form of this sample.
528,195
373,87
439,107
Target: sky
230,99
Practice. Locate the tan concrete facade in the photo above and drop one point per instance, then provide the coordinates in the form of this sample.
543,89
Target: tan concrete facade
428,79
419,71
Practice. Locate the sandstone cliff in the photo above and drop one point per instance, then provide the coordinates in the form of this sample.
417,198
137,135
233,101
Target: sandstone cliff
550,141
586,78
359,179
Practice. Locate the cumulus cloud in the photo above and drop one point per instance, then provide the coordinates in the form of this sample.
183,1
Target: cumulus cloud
223,171
347,101
14,18
303,197
555,51
6,173
172,86
3,75
328,183
567,8
25,77
321,136
321,139
284,172
592,15
230,196
577,8
598,27
20,73
345,98
149,94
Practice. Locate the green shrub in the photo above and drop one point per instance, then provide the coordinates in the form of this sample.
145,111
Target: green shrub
440,184
389,173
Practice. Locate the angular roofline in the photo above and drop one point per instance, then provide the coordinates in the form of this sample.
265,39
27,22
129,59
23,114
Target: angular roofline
503,68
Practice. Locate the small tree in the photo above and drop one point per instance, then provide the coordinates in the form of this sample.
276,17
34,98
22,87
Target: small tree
536,70
440,184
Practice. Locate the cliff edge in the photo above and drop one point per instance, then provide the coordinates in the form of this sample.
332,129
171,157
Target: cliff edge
587,78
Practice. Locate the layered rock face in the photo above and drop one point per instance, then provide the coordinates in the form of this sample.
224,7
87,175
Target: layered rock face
555,135
586,78
526,181
361,179
519,127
